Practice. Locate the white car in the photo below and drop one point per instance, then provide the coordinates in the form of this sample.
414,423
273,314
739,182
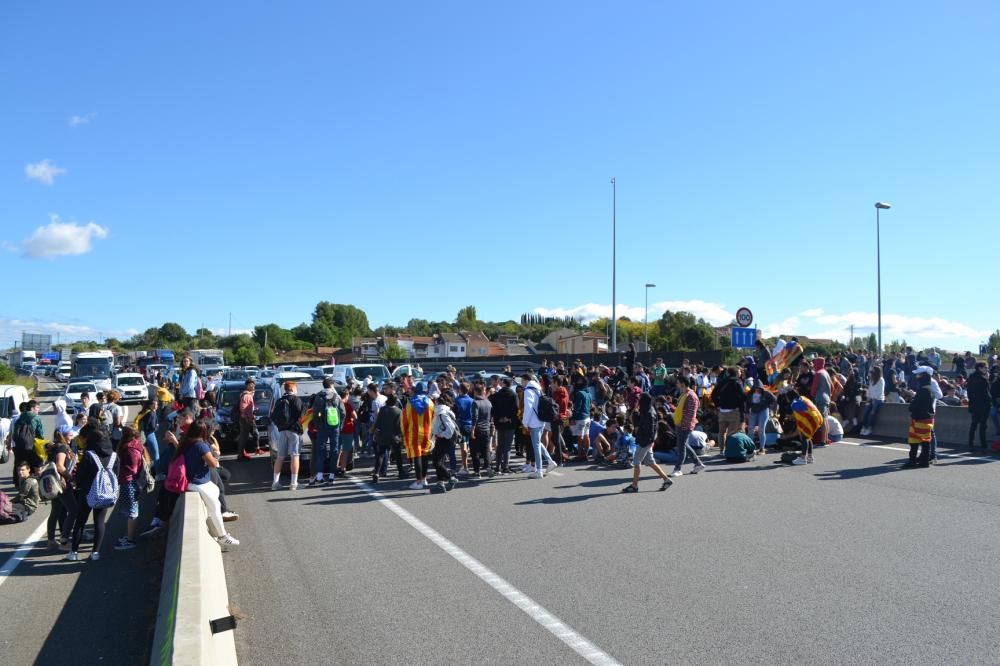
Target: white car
73,392
62,374
132,386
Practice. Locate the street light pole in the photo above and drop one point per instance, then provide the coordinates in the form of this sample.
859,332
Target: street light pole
645,319
879,206
614,266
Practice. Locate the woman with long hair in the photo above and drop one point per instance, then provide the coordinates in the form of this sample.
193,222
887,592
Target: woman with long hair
100,454
63,513
198,461
131,454
190,383
147,423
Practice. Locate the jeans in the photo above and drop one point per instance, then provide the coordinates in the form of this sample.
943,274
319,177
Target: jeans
154,450
210,496
871,413
667,457
759,420
505,439
682,450
542,456
325,446
480,450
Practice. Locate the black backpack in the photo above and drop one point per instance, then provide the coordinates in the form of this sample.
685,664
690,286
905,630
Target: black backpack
282,415
547,409
24,437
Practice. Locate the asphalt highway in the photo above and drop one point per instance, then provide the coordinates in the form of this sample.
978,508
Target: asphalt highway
849,560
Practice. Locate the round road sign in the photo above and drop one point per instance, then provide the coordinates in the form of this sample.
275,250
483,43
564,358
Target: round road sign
744,317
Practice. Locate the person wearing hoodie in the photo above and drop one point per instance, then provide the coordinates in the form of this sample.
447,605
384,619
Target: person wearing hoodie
980,401
416,426
386,432
326,444
822,386
100,451
644,446
444,428
534,425
63,421
505,421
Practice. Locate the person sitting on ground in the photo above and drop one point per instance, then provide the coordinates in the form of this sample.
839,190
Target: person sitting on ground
834,429
739,448
24,504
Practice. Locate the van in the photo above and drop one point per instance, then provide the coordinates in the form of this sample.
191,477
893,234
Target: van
356,373
11,397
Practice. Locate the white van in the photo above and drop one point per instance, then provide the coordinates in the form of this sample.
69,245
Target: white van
11,397
350,374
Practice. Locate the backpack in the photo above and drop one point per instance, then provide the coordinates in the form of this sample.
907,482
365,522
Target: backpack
325,413
50,484
103,491
282,415
177,478
546,409
24,437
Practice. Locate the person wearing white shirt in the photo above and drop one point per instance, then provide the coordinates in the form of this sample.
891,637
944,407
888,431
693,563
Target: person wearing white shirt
531,422
876,396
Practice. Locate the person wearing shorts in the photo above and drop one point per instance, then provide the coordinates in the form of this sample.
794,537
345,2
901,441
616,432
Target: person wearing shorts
285,418
644,446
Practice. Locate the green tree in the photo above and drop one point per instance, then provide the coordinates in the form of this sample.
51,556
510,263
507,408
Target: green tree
872,344
467,319
274,336
393,352
419,327
246,356
171,332
267,356
336,324
993,344
682,331
7,375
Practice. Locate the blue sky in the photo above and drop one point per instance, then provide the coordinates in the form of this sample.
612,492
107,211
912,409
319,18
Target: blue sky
168,162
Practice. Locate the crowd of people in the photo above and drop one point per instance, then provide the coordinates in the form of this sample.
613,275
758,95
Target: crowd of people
448,430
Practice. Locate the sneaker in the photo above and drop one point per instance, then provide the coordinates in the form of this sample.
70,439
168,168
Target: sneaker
152,531
489,473
276,485
374,478
330,478
809,460
123,545
315,482
54,545
476,477
294,485
94,557
229,516
698,468
438,488
463,472
674,474
536,475
528,468
799,461
228,540
424,483
71,556
416,485
666,484
450,485
630,489
551,466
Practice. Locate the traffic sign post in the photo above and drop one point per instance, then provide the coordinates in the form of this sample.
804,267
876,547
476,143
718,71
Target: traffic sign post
744,317
743,338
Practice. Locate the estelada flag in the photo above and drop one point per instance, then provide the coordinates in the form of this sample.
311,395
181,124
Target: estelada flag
920,431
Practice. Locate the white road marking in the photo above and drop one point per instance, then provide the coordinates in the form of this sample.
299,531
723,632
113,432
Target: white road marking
554,625
967,456
22,550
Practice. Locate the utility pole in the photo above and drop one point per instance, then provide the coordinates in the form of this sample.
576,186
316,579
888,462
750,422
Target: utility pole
230,324
614,266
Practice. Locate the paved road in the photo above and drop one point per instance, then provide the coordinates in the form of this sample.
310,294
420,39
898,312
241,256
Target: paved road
850,560
84,612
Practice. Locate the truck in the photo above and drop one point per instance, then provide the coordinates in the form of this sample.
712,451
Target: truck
22,357
95,364
207,359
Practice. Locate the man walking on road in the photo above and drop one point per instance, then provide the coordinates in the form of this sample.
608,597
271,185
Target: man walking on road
285,417
644,446
531,422
328,414
685,419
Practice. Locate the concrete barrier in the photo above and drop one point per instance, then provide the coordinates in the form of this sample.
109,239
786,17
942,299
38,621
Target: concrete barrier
192,593
950,423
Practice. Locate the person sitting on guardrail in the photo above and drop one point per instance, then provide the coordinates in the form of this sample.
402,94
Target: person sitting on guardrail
198,461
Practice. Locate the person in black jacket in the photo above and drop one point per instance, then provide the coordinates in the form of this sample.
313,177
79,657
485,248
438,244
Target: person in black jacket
980,401
505,421
645,438
921,423
730,399
995,394
98,442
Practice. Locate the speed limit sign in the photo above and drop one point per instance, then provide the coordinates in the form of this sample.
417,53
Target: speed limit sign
744,317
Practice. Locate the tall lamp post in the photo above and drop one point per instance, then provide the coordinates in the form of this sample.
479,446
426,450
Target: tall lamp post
879,207
645,319
614,266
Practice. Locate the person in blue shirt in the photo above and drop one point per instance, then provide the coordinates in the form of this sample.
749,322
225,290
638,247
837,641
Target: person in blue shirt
463,413
198,463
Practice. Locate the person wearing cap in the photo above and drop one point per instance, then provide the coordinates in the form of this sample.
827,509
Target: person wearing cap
531,422
418,417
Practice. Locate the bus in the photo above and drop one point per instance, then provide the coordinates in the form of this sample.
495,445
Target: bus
97,365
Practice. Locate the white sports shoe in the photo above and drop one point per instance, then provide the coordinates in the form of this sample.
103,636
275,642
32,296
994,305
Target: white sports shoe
536,475
799,461
676,473
528,468
228,540
550,467
416,485
698,468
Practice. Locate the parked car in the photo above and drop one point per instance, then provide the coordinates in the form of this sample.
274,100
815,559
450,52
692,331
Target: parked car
132,386
11,397
306,387
235,375
74,389
228,401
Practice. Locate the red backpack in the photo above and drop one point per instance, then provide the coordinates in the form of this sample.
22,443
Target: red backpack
177,478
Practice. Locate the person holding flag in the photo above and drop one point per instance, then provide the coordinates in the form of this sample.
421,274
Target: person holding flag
418,417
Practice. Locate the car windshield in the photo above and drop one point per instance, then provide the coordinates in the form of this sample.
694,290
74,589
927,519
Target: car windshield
80,388
97,368
130,381
377,372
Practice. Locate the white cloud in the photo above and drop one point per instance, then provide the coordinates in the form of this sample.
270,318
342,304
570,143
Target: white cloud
76,121
11,329
789,326
896,326
44,171
813,313
714,313
59,239
220,331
